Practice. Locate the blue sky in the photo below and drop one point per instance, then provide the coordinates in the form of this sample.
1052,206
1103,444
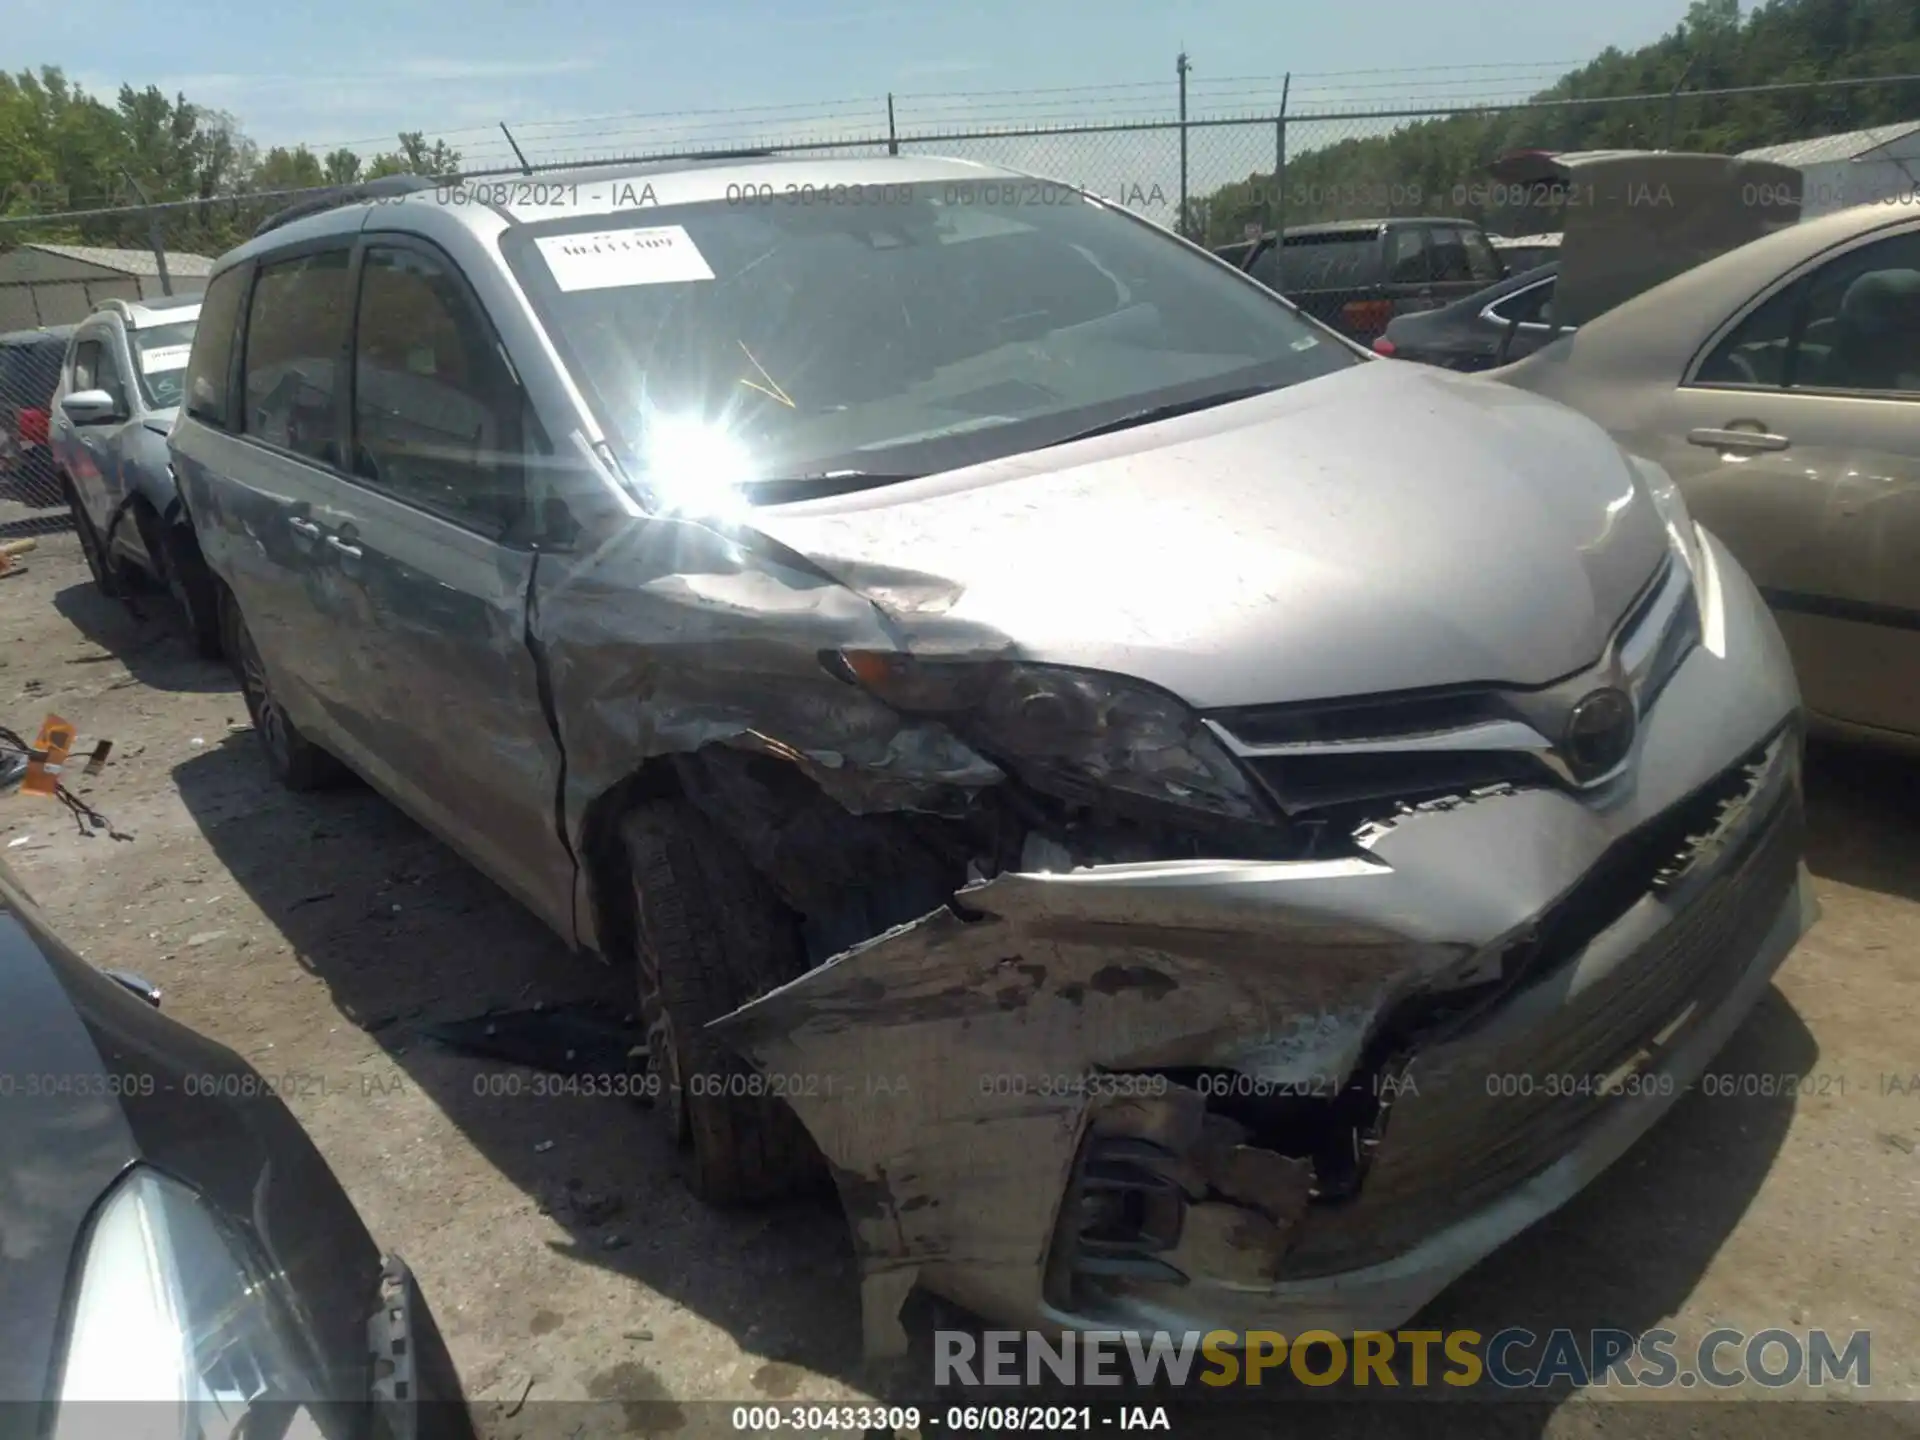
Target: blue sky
557,70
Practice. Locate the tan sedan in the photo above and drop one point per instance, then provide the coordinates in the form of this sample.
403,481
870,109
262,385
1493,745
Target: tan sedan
1780,385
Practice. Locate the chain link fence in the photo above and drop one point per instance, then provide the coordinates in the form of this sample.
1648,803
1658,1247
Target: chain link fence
31,502
1219,179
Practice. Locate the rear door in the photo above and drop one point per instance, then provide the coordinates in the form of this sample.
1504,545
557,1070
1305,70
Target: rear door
1408,288
425,555
1797,440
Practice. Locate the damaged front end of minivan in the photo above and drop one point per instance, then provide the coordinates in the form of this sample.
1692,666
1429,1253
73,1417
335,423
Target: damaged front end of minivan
1217,1026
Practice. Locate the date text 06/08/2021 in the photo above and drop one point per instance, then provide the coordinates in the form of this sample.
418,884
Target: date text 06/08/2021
822,1420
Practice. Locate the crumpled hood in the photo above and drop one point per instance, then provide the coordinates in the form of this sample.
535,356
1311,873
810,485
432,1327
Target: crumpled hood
1384,528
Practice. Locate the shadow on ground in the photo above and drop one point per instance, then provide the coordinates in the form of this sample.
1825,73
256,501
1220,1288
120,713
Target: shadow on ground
146,634
404,933
1863,811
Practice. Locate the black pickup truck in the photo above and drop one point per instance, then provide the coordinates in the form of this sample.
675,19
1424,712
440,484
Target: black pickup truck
1356,275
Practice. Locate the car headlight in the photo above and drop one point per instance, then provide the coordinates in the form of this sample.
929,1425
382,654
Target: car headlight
172,1315
1080,735
1672,508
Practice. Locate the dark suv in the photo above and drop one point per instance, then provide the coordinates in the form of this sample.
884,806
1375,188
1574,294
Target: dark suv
1356,275
29,371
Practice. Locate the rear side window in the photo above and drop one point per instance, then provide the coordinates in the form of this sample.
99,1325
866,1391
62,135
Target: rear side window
1408,265
210,366
1451,263
1480,257
296,333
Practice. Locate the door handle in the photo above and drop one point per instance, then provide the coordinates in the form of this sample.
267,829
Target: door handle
304,527
352,552
1738,439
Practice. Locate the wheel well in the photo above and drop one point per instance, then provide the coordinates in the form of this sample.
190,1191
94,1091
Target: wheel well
603,856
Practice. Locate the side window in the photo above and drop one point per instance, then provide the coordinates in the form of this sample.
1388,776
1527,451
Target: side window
296,333
1756,352
210,366
1407,259
106,374
436,411
1450,262
1861,328
86,365
1531,306
1853,324
1481,260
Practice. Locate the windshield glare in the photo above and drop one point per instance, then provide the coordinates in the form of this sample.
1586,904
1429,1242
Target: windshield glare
162,353
763,341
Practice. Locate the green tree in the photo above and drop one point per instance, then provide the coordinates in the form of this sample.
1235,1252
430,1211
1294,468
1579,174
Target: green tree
416,157
1433,165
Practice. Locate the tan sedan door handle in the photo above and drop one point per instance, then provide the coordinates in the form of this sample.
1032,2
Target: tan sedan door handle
1738,439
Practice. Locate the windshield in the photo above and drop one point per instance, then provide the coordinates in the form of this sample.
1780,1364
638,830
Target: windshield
940,326
162,352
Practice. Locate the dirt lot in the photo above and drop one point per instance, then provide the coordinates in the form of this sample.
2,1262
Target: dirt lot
316,935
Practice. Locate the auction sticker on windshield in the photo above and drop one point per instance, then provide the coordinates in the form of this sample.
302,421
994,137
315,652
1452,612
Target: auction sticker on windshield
163,358
607,259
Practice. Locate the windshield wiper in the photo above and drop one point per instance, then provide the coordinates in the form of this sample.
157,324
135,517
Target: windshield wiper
781,489
1152,413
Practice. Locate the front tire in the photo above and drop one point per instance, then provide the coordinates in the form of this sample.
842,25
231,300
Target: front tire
183,570
710,936
194,589
296,762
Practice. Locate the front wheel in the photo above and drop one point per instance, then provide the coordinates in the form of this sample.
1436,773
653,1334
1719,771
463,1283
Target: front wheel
296,762
173,554
710,936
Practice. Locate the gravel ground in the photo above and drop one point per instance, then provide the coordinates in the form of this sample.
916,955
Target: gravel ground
316,935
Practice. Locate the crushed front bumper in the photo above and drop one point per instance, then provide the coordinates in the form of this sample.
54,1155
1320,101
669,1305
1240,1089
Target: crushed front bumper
1237,1094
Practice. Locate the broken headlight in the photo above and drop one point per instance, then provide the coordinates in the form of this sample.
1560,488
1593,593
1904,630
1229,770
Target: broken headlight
1080,735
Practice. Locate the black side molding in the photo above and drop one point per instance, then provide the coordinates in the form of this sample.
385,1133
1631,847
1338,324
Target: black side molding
1833,607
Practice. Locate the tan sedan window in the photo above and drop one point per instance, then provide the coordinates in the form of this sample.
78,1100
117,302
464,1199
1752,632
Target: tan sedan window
1852,325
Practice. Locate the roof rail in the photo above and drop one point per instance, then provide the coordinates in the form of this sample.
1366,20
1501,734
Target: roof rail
386,187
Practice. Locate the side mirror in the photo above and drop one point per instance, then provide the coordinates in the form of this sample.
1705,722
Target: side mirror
89,407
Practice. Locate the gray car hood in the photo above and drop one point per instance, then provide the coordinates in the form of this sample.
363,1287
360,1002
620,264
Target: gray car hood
1384,528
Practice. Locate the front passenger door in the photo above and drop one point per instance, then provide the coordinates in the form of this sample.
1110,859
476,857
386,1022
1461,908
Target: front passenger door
92,447
429,543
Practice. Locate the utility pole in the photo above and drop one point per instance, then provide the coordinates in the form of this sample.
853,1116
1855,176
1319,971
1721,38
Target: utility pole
1673,101
154,237
1181,67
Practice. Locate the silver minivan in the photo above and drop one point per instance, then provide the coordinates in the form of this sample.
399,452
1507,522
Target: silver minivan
1195,826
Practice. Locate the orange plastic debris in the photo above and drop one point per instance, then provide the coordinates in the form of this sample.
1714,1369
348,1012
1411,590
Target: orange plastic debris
53,744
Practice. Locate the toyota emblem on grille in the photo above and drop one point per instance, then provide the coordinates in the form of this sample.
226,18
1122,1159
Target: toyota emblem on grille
1599,733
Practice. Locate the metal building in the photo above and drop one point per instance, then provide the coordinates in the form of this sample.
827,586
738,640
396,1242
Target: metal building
61,284
1861,167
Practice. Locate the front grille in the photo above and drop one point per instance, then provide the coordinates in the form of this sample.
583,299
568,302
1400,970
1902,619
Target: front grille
1413,745
1322,782
1456,1139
